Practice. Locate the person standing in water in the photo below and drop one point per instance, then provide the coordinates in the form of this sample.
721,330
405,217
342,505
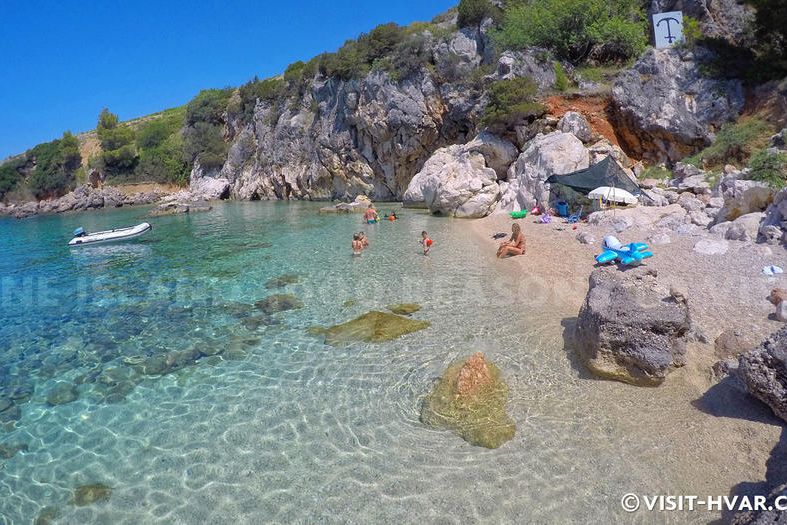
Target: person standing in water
515,245
370,215
426,242
357,244
364,239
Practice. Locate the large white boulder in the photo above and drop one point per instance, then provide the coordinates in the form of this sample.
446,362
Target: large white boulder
555,153
461,180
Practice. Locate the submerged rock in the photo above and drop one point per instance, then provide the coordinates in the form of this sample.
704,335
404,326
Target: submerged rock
764,372
279,303
404,308
470,400
89,494
9,450
62,393
281,281
629,331
47,515
373,327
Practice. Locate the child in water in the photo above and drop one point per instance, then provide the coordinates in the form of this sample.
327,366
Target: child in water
426,242
364,239
357,244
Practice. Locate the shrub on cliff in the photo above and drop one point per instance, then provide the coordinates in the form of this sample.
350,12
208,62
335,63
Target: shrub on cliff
355,58
608,30
769,167
203,137
734,144
119,153
512,103
55,165
208,106
204,142
473,12
267,90
9,174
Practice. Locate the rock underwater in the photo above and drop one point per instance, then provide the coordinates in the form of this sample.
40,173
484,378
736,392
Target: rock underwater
470,400
371,327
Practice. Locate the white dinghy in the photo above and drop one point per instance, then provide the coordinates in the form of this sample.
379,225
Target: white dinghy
81,237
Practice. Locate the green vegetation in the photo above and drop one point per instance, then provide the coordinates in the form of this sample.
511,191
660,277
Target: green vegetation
512,103
55,165
561,80
656,172
735,143
10,174
268,90
769,167
607,30
160,147
118,148
203,138
692,32
472,12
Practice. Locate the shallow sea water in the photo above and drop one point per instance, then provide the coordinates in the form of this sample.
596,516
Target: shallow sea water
282,428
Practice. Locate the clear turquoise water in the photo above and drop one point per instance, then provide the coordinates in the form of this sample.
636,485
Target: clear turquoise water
279,427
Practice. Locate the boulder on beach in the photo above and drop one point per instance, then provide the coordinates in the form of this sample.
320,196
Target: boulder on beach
631,330
764,372
470,400
461,180
279,303
373,327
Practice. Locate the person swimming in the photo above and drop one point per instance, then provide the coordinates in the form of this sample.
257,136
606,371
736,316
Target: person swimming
357,244
392,216
426,242
515,245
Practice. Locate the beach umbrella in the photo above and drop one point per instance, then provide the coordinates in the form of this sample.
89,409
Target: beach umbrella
611,194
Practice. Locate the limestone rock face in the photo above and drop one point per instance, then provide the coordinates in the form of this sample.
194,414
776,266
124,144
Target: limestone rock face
336,139
574,123
631,331
461,180
556,153
725,19
665,109
764,372
470,399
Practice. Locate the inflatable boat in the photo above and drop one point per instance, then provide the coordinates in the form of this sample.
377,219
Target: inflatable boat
81,237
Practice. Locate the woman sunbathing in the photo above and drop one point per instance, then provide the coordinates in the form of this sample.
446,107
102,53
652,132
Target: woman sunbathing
515,245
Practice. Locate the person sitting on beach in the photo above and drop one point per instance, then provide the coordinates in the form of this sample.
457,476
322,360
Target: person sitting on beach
357,244
515,245
364,239
426,242
370,215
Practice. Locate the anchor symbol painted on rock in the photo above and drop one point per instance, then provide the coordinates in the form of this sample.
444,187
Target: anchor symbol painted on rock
670,37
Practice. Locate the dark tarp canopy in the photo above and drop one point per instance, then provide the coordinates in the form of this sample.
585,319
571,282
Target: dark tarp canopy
606,173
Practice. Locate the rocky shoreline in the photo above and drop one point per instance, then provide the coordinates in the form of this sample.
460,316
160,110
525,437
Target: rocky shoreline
81,199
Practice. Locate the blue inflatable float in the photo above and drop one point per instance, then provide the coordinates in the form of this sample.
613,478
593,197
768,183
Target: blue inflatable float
627,254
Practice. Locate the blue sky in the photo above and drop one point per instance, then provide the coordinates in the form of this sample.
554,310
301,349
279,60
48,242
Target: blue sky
62,61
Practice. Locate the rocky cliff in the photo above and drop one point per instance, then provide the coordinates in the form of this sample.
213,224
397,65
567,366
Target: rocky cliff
343,138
